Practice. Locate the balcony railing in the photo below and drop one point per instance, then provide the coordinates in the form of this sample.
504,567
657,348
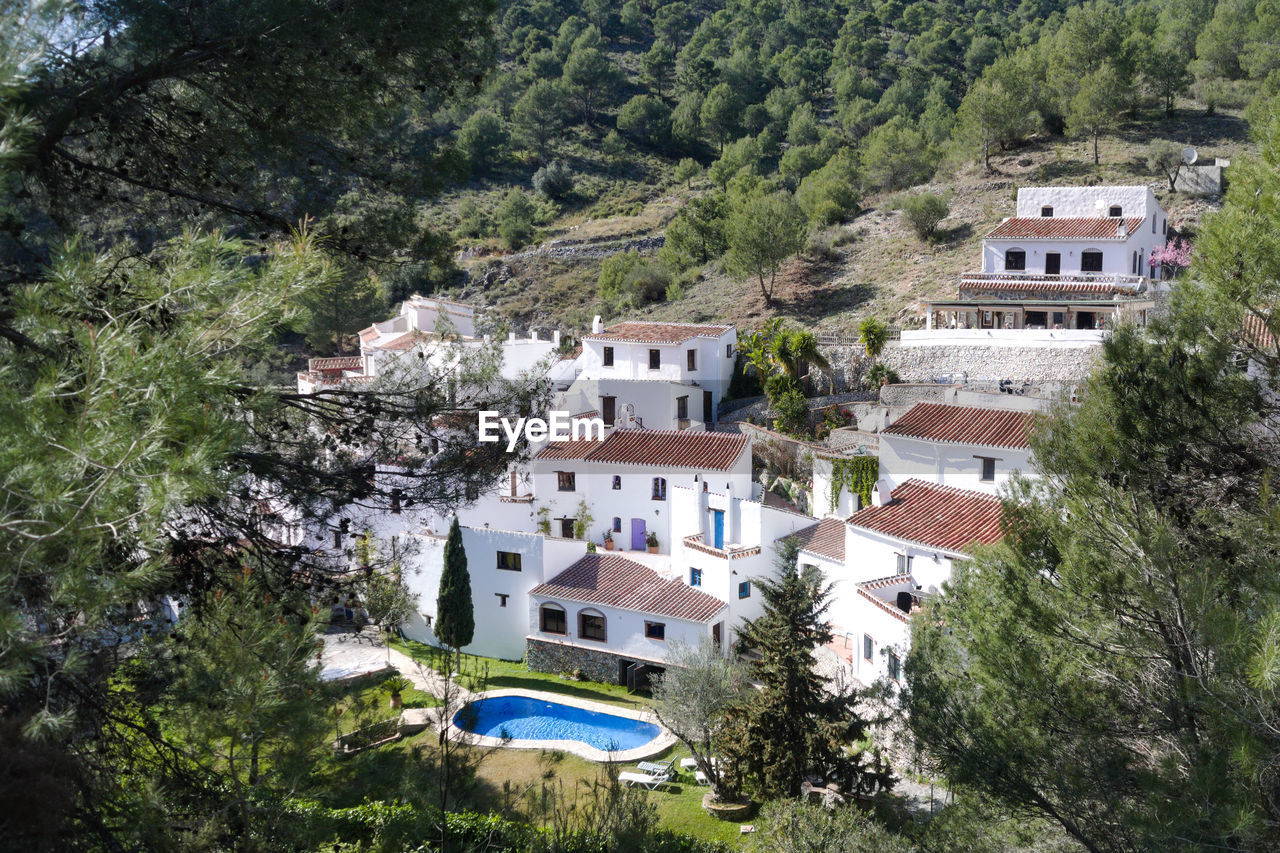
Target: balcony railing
1081,280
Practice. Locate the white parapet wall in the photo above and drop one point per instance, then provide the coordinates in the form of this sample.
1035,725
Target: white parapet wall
1049,338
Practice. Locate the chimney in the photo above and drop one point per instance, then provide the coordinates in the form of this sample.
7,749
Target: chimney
730,515
881,494
511,336
1120,232
555,337
486,339
597,325
533,334
703,512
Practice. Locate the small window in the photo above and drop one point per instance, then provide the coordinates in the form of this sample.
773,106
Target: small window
695,577
655,630
1015,259
591,626
502,598
337,539
617,483
1153,223
617,524
1115,210
472,491
868,646
728,350
895,667
396,495
659,489
1090,261
608,356
566,481
988,468
744,589
566,528
509,561
655,359
551,619
692,358
904,563
435,446
682,408
1046,211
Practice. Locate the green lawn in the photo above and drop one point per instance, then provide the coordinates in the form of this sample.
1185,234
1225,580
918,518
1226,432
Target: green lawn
504,674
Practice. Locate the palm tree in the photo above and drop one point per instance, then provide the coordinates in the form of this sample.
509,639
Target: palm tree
792,350
873,335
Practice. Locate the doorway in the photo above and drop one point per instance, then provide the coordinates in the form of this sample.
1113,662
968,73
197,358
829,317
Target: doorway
708,412
717,527
637,534
1052,263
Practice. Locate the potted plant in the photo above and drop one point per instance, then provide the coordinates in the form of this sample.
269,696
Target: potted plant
608,540
394,686
651,539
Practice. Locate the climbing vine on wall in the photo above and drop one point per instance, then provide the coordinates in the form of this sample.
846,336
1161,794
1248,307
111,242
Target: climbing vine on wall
858,474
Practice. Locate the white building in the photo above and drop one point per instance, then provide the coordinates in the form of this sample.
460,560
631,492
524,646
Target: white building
612,619
626,480
1072,261
885,558
963,446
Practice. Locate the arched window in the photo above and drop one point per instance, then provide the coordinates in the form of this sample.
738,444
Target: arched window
617,524
659,488
1015,259
1090,261
551,619
591,625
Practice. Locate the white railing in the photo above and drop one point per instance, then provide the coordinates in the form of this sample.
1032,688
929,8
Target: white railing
1118,280
1049,338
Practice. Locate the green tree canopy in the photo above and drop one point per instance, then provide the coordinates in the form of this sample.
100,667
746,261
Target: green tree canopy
455,623
762,232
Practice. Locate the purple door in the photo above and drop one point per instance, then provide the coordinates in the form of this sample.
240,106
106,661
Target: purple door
637,534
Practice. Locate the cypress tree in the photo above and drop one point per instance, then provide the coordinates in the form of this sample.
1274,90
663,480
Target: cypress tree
455,615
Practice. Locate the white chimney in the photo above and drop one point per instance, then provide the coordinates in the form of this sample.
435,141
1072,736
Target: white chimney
881,494
703,512
597,325
555,337
730,519
533,334
511,336
486,339
1120,232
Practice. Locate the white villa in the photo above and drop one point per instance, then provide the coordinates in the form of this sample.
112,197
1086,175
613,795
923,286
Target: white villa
1071,261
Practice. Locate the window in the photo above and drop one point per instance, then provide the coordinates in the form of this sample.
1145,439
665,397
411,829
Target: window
655,359
868,646
396,495
1015,259
609,410
435,446
591,626
692,359
1046,211
744,589
655,630
904,564
695,577
565,481
472,491
1115,210
728,350
1090,261
608,356
988,468
682,408
659,488
617,483
895,667
337,539
509,561
551,619
617,524
1153,223
566,528
502,598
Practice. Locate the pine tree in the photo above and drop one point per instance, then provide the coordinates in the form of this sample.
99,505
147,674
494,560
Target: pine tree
798,724
455,616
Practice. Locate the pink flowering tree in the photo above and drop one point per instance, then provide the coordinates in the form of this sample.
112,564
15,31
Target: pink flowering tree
1171,258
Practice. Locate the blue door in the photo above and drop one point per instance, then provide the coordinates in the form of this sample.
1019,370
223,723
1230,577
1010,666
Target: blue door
717,521
637,534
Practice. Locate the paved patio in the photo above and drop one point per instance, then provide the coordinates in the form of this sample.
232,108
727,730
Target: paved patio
351,653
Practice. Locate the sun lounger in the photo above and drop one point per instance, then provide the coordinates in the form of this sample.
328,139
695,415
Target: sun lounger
656,768
645,780
688,764
701,778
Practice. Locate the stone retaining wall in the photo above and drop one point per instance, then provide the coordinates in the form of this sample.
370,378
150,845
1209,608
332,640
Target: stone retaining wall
541,656
991,364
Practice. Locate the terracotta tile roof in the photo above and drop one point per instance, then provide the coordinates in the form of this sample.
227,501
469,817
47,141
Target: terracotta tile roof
938,516
658,333
1013,282
1063,228
1256,331
964,425
826,538
716,451
615,581
406,341
342,362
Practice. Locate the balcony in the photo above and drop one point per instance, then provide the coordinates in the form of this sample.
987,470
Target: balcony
728,552
1076,282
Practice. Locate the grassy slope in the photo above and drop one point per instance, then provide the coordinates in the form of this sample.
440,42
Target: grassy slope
880,268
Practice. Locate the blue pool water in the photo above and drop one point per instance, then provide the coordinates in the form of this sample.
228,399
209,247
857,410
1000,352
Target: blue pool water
523,718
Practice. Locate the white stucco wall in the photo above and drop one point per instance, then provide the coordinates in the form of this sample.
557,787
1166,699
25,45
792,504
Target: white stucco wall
624,629
947,464
1087,201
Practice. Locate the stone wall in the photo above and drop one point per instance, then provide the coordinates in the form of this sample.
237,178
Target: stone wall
991,364
595,665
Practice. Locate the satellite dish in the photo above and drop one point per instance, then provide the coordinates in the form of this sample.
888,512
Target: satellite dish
1189,155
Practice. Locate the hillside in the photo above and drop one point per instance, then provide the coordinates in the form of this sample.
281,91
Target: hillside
873,265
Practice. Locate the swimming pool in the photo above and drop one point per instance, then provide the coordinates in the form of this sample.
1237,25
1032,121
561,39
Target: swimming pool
529,718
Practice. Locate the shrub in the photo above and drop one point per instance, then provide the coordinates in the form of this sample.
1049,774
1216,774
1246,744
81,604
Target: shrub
630,280
555,180
515,219
686,170
482,138
924,211
830,194
881,373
